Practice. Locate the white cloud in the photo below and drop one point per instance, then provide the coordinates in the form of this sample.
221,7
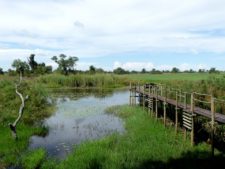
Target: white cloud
93,28
138,66
133,65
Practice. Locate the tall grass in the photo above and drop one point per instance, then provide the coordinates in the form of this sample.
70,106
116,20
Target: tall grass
81,80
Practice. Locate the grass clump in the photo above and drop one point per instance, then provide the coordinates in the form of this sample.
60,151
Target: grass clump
33,159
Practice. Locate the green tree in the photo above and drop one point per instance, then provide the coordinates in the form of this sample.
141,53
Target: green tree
20,66
143,70
92,69
65,65
119,70
1,71
175,70
32,63
213,70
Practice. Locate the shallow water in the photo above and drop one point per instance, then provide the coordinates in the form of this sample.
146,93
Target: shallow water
79,117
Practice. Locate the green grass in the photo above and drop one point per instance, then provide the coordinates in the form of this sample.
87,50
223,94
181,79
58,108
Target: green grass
80,81
145,144
33,159
168,77
10,149
36,109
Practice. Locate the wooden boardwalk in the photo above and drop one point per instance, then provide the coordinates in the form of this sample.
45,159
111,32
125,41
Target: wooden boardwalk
187,108
189,105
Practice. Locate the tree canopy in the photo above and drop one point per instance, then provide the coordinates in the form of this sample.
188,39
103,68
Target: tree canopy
20,66
65,65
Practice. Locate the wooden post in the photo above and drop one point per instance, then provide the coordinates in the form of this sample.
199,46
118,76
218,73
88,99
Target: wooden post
130,93
156,105
176,114
135,88
149,100
185,134
143,99
185,100
164,111
161,90
192,111
212,123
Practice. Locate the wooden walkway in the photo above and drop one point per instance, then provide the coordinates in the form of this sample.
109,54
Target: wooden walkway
187,108
190,105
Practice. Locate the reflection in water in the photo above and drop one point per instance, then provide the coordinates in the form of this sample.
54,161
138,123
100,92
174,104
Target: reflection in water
79,118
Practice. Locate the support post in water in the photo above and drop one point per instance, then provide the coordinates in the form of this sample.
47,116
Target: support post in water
192,117
212,123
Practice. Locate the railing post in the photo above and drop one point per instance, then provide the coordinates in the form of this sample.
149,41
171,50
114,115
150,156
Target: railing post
149,100
156,104
135,88
185,100
164,111
212,123
143,98
192,112
130,93
176,114
161,90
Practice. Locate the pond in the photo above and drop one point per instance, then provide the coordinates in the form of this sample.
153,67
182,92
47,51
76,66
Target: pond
80,116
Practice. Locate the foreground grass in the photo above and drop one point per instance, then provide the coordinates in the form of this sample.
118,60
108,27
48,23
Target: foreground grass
145,144
36,109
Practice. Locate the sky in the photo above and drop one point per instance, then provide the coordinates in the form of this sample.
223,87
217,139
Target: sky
132,34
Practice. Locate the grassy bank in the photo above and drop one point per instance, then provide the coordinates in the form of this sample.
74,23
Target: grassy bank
145,144
36,109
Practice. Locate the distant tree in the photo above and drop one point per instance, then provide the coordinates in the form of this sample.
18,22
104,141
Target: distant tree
143,70
20,66
213,70
134,71
1,71
201,70
32,63
119,70
99,70
154,71
92,69
175,70
65,65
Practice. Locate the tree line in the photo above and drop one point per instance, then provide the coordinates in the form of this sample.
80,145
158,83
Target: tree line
66,65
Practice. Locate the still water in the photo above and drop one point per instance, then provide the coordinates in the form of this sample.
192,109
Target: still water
80,116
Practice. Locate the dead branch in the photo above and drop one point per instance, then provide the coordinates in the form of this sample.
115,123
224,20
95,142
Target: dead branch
13,126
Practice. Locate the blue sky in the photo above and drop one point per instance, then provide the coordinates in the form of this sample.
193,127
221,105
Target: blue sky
132,34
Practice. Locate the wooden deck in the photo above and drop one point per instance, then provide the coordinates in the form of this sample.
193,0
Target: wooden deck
187,108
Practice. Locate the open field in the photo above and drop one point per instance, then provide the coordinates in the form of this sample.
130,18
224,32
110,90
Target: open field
169,77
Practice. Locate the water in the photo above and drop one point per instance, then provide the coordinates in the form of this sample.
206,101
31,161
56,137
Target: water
79,117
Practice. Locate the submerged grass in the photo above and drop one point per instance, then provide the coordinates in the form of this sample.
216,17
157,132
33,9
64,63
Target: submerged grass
145,144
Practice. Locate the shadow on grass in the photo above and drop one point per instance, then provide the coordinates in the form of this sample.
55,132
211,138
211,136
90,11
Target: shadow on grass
189,160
